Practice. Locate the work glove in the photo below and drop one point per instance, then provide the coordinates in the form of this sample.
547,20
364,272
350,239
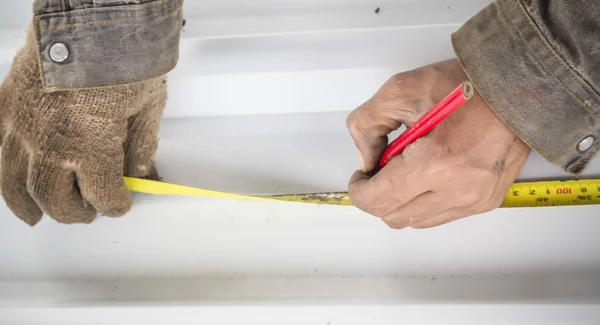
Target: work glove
65,153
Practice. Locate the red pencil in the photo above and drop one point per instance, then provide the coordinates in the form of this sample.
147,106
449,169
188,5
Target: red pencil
430,120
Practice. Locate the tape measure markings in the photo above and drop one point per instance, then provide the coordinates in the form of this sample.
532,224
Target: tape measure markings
553,193
530,194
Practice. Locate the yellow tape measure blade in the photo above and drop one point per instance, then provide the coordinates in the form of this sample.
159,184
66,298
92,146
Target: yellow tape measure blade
160,188
317,198
533,194
553,193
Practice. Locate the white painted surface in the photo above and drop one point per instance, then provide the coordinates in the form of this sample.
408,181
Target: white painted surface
257,105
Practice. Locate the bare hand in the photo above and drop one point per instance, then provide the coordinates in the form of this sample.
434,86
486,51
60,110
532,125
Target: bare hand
465,166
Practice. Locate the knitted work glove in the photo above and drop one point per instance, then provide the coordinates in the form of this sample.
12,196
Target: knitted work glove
65,153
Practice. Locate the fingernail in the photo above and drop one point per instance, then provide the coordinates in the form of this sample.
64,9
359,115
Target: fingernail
361,161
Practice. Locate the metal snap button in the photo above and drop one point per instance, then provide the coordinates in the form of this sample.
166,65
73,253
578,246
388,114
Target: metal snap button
586,144
59,52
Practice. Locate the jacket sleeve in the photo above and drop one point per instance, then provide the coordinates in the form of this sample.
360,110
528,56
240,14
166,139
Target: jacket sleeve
98,43
537,64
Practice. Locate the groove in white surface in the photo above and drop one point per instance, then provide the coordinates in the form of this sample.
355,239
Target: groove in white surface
450,314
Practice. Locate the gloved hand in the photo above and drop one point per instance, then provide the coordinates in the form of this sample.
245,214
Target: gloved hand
65,153
463,167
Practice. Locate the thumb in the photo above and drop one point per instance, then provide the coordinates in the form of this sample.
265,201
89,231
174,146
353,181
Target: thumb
369,147
399,101
369,126
142,135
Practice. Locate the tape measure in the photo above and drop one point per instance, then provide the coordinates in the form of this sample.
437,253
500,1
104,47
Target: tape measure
553,193
532,194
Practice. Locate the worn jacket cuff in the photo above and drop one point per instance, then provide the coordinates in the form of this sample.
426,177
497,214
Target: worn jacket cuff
90,43
529,85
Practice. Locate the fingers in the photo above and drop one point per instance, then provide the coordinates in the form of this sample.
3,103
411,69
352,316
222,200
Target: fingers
140,148
13,181
54,190
460,168
65,195
370,141
439,220
142,136
401,100
394,186
101,183
370,124
4,105
424,207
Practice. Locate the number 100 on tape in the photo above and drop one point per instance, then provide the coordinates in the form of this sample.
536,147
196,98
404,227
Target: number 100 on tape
553,193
